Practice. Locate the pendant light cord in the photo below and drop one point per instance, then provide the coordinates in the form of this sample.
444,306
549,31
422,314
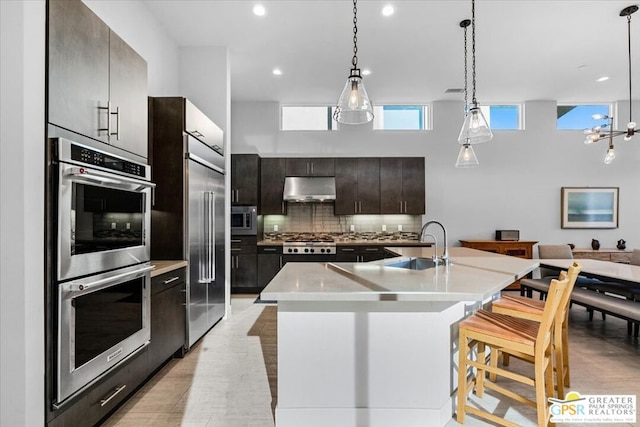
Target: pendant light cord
473,53
466,91
354,60
629,43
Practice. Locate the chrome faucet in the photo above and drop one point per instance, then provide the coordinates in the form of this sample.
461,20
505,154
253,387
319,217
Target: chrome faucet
445,255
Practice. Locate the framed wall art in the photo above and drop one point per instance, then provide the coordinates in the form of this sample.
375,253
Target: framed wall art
589,207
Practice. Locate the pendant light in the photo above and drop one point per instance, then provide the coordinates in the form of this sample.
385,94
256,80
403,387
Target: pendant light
354,106
466,157
595,134
475,128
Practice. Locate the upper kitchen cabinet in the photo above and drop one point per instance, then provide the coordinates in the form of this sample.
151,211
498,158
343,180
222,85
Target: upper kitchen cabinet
198,125
272,174
97,83
245,175
357,186
402,188
322,166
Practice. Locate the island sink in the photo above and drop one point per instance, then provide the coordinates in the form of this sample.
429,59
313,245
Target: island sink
413,264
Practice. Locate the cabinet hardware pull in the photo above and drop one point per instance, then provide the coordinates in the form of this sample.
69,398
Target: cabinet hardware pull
117,132
237,195
114,394
371,249
269,249
311,168
307,168
280,261
108,128
359,207
237,261
282,208
355,207
236,241
236,249
173,279
400,206
347,250
405,206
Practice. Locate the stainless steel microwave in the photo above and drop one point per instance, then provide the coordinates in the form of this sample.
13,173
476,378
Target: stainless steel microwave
244,220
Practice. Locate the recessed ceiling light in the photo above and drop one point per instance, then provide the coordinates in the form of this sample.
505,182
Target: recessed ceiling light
388,10
277,72
602,79
366,72
259,10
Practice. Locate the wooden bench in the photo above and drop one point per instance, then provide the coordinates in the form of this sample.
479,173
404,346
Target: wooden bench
623,308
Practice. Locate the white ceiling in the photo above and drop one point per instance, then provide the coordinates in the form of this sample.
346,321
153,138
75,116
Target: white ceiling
526,49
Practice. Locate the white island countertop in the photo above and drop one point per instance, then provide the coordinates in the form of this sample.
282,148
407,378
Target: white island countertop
472,276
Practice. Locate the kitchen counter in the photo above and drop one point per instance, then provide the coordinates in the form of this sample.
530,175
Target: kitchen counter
472,275
165,266
369,344
359,242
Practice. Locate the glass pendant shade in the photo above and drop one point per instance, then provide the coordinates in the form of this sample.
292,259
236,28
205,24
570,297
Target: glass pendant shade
610,156
475,128
467,157
354,106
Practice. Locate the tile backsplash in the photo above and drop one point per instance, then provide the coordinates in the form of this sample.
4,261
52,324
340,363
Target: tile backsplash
319,217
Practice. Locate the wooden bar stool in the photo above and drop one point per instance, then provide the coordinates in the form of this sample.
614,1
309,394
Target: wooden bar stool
519,337
527,308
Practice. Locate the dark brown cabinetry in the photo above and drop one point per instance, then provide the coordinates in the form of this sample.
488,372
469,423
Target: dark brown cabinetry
245,175
168,317
310,167
244,263
357,186
402,185
360,253
97,83
272,174
107,393
198,125
269,264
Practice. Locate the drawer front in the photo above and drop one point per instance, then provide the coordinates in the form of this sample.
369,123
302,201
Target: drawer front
621,257
602,256
244,240
347,250
270,250
167,280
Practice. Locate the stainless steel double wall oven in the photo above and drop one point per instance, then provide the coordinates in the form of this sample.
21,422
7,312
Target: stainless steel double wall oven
102,286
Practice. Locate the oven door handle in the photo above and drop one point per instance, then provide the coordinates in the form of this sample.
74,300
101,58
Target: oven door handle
82,174
82,286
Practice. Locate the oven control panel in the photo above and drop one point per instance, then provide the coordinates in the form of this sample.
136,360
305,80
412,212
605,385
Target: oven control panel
103,160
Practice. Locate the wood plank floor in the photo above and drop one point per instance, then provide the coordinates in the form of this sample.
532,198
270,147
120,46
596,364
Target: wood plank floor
229,378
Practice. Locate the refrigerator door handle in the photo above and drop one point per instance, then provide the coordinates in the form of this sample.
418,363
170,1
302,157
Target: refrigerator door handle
212,236
203,267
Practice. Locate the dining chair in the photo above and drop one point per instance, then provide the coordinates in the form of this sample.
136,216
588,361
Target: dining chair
527,308
546,275
521,337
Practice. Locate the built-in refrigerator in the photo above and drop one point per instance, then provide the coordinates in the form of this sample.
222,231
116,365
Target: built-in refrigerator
188,220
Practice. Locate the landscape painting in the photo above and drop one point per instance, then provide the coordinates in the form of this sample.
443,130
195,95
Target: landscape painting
589,207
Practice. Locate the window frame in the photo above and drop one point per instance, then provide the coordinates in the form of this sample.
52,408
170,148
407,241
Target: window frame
330,121
520,111
611,112
427,111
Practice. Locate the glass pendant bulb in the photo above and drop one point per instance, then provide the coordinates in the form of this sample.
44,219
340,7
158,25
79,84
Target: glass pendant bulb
467,157
475,128
610,156
354,106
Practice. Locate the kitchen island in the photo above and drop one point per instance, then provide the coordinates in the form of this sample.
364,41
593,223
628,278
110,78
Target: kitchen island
370,344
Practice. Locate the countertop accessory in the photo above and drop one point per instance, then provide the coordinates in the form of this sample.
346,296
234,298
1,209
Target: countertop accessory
595,244
622,245
467,156
354,106
475,128
594,134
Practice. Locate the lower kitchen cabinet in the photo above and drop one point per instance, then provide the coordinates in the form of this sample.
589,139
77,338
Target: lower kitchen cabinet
106,394
269,264
244,264
359,253
168,317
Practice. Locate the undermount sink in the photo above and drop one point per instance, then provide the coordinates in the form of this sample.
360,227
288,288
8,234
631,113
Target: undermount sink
413,264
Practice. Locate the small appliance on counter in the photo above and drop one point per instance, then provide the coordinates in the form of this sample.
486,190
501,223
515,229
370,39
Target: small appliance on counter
508,235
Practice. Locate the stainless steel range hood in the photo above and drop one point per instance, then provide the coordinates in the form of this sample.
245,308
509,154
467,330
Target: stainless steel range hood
309,189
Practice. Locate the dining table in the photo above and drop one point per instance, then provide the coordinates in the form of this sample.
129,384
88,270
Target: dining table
607,271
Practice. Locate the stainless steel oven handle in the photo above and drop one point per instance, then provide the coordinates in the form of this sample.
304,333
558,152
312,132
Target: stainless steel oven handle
78,286
78,173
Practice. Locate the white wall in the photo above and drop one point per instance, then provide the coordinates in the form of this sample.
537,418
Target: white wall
22,49
516,186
